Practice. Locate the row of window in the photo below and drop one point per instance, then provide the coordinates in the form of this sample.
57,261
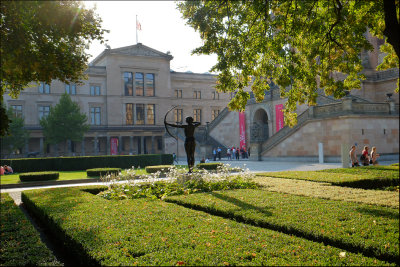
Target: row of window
70,89
136,114
197,94
139,85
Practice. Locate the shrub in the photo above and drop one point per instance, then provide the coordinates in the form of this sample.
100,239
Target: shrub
209,166
160,168
20,243
38,176
87,162
102,172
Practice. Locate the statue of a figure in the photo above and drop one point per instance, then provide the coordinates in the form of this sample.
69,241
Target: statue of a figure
190,143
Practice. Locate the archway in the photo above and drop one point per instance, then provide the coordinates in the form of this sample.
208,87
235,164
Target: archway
260,128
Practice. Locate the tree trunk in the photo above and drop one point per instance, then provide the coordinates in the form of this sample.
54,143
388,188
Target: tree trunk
392,29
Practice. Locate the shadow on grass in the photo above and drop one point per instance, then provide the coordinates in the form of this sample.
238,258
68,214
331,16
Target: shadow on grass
379,213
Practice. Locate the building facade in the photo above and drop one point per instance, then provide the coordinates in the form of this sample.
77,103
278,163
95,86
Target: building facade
126,96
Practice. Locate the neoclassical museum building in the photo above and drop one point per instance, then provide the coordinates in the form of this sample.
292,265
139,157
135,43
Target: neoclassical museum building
130,90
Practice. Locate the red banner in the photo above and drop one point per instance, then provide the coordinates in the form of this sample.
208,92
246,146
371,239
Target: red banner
114,146
280,122
242,129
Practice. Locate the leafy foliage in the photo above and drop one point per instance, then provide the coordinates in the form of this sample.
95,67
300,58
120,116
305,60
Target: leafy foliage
64,122
299,45
17,136
44,40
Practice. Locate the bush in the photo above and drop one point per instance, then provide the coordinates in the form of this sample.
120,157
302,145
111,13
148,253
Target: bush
102,172
20,242
161,168
209,166
38,176
88,162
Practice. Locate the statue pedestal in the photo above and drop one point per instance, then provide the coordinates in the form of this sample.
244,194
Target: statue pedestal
255,151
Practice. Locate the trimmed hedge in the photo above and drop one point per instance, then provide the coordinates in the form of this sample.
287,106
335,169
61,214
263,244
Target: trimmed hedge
209,166
102,172
38,176
87,162
161,168
20,243
147,232
371,230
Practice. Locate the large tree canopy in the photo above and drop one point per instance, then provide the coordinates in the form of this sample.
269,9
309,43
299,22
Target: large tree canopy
42,41
300,45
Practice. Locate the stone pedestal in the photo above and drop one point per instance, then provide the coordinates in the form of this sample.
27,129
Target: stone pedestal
321,153
345,148
255,151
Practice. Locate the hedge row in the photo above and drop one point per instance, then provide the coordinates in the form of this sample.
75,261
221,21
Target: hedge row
161,168
151,232
88,162
209,166
38,176
102,172
20,243
356,227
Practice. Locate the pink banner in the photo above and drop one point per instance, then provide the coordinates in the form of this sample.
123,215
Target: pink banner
280,122
114,146
242,129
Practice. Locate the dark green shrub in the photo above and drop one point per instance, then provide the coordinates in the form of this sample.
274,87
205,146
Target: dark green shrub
102,171
209,166
38,176
161,168
87,162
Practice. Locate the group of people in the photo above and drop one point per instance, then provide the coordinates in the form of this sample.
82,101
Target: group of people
366,157
6,170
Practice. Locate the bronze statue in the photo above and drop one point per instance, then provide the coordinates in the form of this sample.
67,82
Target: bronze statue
190,142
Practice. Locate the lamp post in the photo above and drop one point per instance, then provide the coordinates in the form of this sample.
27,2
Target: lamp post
177,140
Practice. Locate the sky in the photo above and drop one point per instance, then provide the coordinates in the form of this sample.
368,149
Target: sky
163,29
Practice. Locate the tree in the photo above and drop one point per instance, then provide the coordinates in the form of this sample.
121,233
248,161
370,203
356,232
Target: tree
18,134
64,122
300,45
42,41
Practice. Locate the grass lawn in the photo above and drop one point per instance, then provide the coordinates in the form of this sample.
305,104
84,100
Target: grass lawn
154,232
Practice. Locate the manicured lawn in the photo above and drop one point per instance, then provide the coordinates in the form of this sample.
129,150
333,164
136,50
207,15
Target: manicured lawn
371,229
20,243
154,232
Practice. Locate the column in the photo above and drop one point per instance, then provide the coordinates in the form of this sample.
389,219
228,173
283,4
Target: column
95,146
345,148
163,143
108,149
41,149
26,147
152,145
131,145
83,147
119,145
141,150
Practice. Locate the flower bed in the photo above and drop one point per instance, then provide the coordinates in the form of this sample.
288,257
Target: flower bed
153,232
20,242
368,229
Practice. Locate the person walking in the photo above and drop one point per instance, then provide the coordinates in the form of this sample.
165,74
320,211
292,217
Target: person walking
219,153
374,156
215,154
365,156
237,153
228,154
353,157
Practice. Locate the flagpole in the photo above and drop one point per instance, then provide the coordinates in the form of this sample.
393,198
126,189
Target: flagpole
136,31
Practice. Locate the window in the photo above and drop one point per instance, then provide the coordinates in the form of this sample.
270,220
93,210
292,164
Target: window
150,114
214,114
43,111
178,115
128,83
17,109
197,94
70,89
139,83
95,90
95,116
129,114
178,93
197,115
215,95
149,84
44,88
140,114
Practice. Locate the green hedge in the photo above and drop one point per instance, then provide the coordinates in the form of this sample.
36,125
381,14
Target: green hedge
147,232
209,166
38,176
20,243
371,230
88,162
161,168
102,171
